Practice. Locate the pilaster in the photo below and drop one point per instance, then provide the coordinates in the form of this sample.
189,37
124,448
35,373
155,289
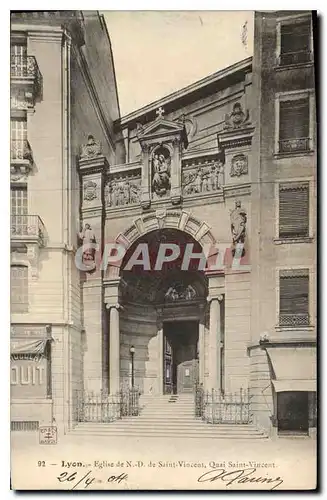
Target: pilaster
92,167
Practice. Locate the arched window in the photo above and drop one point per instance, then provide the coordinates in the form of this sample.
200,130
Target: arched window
19,288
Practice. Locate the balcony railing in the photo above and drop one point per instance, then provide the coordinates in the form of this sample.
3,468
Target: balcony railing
25,228
299,57
294,319
20,151
25,68
299,144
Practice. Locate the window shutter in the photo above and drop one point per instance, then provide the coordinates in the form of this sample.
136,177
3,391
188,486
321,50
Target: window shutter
294,297
295,37
294,119
294,210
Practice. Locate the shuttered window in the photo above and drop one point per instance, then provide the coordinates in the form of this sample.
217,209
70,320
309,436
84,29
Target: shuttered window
294,297
294,119
19,289
294,210
295,37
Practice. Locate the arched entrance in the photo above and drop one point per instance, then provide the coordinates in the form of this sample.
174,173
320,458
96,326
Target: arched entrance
162,313
148,308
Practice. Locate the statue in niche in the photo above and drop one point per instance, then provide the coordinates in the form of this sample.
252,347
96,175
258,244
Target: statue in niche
91,149
161,171
238,219
237,118
88,237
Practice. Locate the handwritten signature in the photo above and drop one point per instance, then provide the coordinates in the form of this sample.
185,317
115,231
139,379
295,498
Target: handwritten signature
240,476
75,479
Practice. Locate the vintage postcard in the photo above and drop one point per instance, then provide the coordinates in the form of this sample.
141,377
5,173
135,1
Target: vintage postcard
163,250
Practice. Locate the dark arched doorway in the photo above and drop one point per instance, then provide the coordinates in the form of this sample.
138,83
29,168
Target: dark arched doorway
163,312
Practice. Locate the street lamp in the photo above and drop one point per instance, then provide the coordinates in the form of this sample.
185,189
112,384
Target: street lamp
132,351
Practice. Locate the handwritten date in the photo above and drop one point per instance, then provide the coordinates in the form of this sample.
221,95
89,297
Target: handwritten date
85,481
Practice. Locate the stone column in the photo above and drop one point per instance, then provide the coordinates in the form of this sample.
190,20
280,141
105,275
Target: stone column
146,176
114,348
111,293
176,173
214,343
161,357
201,345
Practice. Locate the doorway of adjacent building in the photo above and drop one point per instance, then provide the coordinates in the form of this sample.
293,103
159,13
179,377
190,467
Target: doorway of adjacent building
293,412
181,357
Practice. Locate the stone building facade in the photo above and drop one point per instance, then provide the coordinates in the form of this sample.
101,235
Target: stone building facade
62,89
212,171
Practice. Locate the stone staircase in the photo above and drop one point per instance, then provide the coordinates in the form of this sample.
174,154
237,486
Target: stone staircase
168,417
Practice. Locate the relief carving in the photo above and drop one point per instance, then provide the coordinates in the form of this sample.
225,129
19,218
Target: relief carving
91,149
203,179
237,118
178,292
90,190
122,191
239,165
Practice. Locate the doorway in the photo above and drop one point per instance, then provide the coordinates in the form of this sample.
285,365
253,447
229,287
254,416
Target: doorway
293,412
181,356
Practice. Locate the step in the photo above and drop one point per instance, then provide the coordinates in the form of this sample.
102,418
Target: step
166,435
204,429
179,425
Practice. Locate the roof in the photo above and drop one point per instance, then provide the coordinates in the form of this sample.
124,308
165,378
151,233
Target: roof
242,66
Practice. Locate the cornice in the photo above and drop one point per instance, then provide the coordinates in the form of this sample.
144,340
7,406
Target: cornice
243,65
282,343
237,190
39,33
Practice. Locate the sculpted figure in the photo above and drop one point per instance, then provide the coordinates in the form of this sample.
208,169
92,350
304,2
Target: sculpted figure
237,118
198,182
114,193
161,174
91,148
87,236
126,191
238,220
134,193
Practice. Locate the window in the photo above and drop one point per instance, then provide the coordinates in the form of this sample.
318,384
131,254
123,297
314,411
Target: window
19,146
18,56
18,204
295,42
19,289
294,210
294,297
294,125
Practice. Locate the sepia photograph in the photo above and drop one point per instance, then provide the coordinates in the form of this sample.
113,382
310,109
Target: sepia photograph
163,250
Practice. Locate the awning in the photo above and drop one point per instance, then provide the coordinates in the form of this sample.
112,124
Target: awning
36,347
294,368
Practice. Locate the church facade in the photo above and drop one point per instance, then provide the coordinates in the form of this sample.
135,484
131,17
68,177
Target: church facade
187,267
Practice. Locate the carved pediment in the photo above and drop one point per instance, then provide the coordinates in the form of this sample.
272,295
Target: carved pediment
162,129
